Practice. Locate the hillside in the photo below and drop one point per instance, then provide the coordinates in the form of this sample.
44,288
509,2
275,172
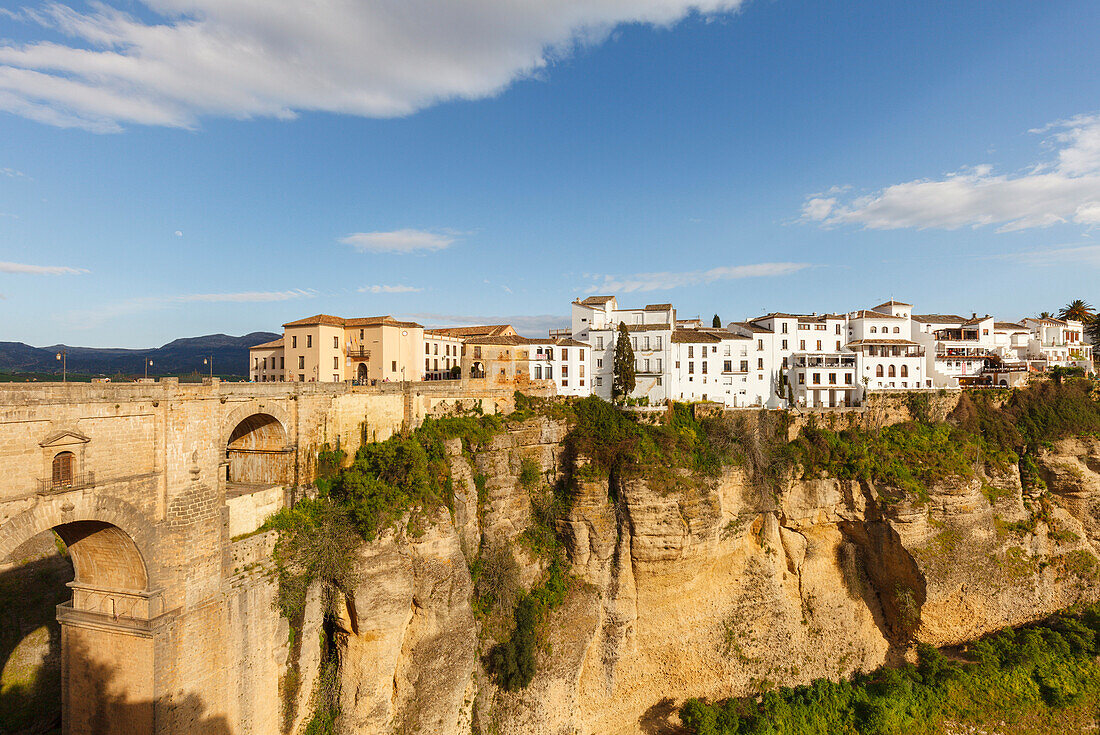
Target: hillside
179,356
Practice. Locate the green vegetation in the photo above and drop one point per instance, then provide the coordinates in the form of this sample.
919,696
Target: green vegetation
512,662
1040,679
622,383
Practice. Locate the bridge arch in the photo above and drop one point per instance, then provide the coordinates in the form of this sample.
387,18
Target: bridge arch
258,450
109,539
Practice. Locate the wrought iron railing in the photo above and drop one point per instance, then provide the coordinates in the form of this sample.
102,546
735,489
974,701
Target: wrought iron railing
359,352
48,485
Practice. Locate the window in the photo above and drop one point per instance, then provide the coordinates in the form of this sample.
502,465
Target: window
677,364
897,330
646,343
703,369
658,380
784,363
599,381
784,328
760,363
301,378
599,363
599,343
819,345
309,341
874,330
335,343
633,343
784,344
838,345
759,344
802,345
538,372
435,349
832,378
817,378
564,372
820,327
838,328
658,344
427,349
549,372
335,378
744,366
691,368
691,351
393,366
647,365
294,341
360,335
892,372
301,362
426,361
658,367
336,363
64,463
564,353
582,353
727,366
802,378
905,371
847,378
878,371
582,373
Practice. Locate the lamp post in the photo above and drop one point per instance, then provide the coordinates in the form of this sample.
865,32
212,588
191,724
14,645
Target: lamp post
147,364
209,361
63,356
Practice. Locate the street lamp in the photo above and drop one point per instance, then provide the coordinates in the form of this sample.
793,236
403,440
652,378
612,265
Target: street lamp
209,361
147,364
63,356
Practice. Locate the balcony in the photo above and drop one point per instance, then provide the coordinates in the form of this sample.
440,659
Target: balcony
358,353
51,486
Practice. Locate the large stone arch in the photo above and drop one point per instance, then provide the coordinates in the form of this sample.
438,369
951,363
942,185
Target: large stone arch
258,449
242,411
111,541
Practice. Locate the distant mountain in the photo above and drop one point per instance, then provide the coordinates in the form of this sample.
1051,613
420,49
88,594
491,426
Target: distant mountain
180,356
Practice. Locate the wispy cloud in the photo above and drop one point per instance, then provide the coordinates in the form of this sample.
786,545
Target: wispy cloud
11,173
39,270
664,280
389,289
94,316
277,59
527,324
1077,254
1064,188
399,241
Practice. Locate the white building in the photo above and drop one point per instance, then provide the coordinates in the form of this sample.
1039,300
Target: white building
563,360
595,321
442,354
1060,342
957,349
710,365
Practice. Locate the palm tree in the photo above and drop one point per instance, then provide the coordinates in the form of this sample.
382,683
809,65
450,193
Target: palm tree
1045,315
1078,310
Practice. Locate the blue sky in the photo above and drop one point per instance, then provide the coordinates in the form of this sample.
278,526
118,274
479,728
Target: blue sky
179,167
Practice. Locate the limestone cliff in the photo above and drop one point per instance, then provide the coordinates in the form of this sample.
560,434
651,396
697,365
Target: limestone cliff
715,589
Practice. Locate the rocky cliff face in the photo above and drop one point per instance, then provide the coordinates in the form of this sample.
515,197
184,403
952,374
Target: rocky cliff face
715,590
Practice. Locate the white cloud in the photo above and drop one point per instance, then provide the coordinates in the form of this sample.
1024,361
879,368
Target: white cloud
242,59
389,289
11,173
178,233
39,270
1063,189
242,296
1076,254
665,280
398,241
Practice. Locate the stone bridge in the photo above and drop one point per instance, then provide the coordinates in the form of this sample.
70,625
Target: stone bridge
155,487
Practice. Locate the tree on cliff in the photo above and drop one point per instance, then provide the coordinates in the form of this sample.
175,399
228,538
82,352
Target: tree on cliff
623,381
716,322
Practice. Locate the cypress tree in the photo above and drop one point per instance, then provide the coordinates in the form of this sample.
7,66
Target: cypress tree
716,322
622,383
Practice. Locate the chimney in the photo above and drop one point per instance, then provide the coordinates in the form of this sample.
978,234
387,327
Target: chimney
973,315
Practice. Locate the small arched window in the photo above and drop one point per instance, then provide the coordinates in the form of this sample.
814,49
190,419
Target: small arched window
64,464
878,371
905,371
897,330
893,372
874,330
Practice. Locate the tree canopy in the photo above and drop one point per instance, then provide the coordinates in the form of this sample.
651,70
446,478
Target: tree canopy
623,382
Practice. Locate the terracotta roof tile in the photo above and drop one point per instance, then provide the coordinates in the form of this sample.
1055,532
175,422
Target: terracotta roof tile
268,345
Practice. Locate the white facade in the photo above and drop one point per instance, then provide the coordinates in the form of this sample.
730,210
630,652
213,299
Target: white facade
710,365
595,321
442,353
563,360
1060,342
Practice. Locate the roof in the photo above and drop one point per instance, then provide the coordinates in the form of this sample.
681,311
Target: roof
596,300
891,302
481,330
938,318
975,320
500,339
335,321
657,307
1047,320
681,336
869,314
752,327
268,345
556,341
1010,325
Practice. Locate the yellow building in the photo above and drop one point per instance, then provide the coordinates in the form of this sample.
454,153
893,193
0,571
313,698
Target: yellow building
325,348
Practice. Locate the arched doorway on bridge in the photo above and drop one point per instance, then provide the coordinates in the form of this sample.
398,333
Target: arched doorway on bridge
361,373
79,658
257,453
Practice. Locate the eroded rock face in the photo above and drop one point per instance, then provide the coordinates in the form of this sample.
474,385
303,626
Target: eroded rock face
711,590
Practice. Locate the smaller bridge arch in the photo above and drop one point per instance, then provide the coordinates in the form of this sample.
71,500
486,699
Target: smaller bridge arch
258,452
